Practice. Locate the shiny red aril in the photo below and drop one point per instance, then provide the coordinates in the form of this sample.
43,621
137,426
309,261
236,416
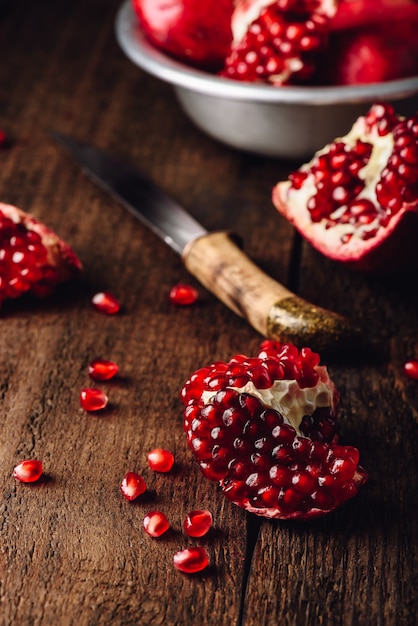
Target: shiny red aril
3,138
191,560
132,486
183,295
160,460
28,471
105,302
411,369
93,399
197,523
156,524
102,369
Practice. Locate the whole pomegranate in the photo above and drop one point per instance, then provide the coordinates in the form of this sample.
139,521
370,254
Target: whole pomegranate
32,257
197,32
371,41
356,201
264,428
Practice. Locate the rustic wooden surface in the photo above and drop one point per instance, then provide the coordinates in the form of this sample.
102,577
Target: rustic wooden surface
72,551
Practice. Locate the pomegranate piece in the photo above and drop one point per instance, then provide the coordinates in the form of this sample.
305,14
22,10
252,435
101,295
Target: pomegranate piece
278,41
191,560
356,201
264,427
105,302
33,259
102,369
156,524
372,42
410,368
160,460
132,486
183,295
93,399
197,523
28,471
195,31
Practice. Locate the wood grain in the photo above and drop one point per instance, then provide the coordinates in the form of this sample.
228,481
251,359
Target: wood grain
72,550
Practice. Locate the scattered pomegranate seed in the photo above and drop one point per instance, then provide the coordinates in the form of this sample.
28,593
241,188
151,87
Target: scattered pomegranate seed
183,295
100,369
197,523
132,486
191,560
105,302
411,369
28,471
93,399
160,460
156,524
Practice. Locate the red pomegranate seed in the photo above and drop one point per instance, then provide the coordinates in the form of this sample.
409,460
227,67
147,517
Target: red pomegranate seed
197,523
191,560
93,399
160,460
105,302
3,138
183,295
100,369
156,524
132,486
411,369
28,471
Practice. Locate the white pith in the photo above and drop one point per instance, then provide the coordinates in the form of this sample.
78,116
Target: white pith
286,397
297,199
247,11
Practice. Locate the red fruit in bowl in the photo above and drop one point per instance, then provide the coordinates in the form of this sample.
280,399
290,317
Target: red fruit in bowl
278,41
264,427
356,201
32,257
195,31
372,42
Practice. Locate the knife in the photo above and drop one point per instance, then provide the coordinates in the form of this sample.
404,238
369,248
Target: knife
214,258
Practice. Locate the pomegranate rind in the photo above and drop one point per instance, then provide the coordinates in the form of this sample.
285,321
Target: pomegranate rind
391,249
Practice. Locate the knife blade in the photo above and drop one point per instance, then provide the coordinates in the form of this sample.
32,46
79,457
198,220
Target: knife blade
214,258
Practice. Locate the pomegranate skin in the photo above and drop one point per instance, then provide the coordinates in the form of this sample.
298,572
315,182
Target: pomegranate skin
197,32
382,241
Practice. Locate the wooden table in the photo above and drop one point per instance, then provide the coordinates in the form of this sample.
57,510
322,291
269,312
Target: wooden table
72,550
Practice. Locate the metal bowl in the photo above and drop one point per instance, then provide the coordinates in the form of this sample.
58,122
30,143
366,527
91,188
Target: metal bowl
288,122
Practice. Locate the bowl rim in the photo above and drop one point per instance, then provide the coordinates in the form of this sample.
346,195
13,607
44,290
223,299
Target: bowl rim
139,50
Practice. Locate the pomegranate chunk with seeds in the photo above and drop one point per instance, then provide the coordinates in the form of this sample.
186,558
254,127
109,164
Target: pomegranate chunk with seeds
132,486
156,524
33,259
183,295
197,523
93,399
411,369
160,460
105,302
191,560
356,201
28,471
101,369
278,41
264,427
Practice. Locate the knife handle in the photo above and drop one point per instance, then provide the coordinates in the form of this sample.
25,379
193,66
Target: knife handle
274,311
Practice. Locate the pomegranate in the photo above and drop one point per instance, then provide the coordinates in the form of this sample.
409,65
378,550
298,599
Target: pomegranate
191,560
278,41
132,486
183,295
93,399
371,41
102,369
264,427
410,369
105,302
356,201
33,259
156,524
160,460
28,471
195,31
198,523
